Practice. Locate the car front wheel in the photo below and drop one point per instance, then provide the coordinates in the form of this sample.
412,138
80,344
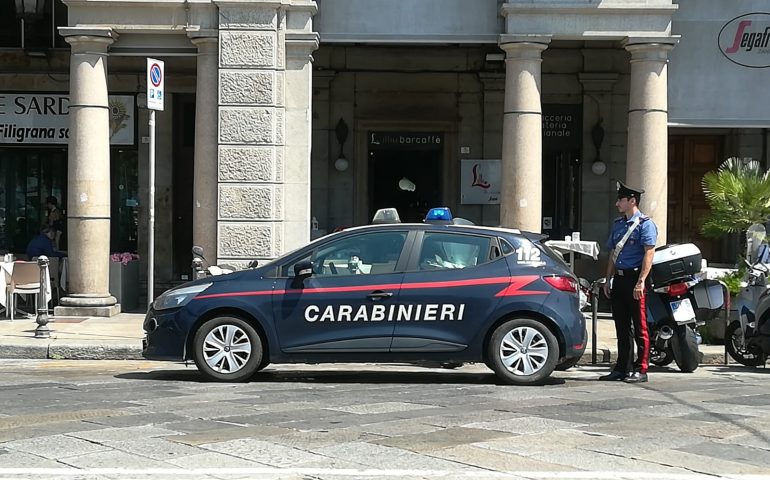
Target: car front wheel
227,349
522,351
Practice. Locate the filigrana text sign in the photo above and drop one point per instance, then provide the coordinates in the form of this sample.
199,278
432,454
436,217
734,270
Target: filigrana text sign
480,182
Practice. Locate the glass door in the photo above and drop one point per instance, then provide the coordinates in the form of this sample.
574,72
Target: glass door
27,178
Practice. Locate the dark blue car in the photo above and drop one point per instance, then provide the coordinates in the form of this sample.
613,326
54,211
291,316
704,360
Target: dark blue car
381,293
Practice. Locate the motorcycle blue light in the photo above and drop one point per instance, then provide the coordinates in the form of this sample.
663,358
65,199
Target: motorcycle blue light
440,214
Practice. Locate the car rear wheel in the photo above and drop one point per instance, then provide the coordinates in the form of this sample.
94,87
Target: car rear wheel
522,351
227,349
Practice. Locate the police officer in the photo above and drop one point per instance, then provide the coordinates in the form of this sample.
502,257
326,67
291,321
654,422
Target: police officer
631,243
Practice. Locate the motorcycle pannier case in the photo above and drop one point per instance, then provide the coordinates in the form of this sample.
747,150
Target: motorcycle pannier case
674,261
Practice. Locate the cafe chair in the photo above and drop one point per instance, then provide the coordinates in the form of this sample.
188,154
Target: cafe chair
25,280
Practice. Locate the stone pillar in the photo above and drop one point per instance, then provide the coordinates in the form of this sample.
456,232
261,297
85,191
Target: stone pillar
264,127
300,43
205,202
522,159
647,161
88,177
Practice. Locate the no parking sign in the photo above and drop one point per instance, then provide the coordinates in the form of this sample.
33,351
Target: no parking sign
155,79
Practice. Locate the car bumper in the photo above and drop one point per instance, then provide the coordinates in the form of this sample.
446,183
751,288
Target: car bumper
164,336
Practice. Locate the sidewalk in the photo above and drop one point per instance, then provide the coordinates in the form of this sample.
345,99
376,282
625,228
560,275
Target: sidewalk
120,338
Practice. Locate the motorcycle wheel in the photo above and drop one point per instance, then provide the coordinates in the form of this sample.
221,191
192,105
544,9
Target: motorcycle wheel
684,346
661,358
741,354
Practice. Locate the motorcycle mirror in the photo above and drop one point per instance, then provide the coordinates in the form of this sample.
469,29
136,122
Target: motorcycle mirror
253,264
198,251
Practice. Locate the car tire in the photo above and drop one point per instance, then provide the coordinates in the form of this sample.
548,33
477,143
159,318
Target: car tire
227,349
522,351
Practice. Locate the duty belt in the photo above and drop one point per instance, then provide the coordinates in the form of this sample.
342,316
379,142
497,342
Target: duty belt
627,272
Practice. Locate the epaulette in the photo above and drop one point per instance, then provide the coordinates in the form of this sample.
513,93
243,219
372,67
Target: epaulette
643,218
620,219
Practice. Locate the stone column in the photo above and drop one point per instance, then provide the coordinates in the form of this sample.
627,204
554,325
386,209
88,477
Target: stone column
300,44
647,161
205,166
521,191
88,177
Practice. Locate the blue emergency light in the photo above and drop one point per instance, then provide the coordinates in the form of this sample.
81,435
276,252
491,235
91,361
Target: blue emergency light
438,215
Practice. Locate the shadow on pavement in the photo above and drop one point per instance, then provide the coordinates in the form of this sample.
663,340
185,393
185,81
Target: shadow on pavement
362,376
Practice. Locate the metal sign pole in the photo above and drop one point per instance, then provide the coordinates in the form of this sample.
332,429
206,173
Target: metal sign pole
155,98
151,227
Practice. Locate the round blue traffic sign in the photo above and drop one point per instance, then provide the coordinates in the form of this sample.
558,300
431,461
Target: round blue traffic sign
155,75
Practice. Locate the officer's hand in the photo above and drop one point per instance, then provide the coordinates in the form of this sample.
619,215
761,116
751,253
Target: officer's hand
607,289
638,291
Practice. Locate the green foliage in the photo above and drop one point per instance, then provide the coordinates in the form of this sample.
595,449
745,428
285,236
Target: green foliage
739,196
733,281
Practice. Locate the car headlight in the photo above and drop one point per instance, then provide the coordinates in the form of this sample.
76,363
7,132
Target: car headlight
178,297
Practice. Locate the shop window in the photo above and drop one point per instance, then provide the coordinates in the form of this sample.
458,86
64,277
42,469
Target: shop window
124,187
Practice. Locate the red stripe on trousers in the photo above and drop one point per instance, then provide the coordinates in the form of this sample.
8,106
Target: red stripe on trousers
645,356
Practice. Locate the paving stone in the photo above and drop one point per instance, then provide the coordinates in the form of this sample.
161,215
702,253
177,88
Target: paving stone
702,463
524,425
398,427
156,448
560,440
262,452
385,407
497,461
383,457
105,434
197,426
17,459
600,462
317,439
112,459
731,452
45,430
137,420
224,435
467,418
446,438
53,447
212,460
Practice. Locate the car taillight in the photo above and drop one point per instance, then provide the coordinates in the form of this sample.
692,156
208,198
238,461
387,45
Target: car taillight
677,289
565,284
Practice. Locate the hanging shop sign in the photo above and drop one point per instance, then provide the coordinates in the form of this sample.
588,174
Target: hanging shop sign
43,119
480,182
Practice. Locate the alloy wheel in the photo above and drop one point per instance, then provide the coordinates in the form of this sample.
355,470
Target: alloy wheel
523,351
226,348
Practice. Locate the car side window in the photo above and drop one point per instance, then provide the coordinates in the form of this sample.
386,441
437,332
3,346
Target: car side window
366,254
441,251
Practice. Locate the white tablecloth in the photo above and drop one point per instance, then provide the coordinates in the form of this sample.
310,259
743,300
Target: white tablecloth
6,270
581,246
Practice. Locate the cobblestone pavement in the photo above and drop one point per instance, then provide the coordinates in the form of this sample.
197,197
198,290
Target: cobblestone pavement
142,420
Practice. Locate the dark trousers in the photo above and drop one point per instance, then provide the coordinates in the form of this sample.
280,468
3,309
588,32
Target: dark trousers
630,317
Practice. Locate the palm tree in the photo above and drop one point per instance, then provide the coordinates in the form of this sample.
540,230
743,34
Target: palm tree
739,196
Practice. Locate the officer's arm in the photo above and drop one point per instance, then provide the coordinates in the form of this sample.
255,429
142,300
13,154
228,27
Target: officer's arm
649,252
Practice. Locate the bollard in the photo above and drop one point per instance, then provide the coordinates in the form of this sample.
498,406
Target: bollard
42,330
726,302
596,288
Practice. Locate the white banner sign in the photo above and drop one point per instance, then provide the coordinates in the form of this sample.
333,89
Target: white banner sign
480,182
42,119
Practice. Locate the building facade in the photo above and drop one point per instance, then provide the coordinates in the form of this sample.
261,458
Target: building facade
285,120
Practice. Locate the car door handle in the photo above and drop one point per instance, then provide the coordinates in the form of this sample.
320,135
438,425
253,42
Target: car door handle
379,295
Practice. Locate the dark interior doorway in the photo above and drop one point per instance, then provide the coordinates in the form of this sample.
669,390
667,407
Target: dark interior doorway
182,178
405,172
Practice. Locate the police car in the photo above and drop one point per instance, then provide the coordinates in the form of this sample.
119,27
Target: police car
440,291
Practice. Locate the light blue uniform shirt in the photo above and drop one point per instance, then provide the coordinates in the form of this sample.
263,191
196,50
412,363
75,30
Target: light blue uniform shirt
645,234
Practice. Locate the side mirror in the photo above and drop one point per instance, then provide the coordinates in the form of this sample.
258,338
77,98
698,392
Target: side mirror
253,264
302,270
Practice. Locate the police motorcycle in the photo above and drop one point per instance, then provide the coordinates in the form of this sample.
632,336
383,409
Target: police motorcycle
747,339
201,271
678,302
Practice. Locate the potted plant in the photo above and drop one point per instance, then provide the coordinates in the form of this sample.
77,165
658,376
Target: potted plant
738,194
124,279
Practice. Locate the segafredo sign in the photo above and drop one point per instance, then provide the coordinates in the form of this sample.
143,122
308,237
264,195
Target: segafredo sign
745,40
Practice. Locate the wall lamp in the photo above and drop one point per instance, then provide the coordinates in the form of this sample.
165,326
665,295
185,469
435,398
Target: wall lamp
597,138
341,132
